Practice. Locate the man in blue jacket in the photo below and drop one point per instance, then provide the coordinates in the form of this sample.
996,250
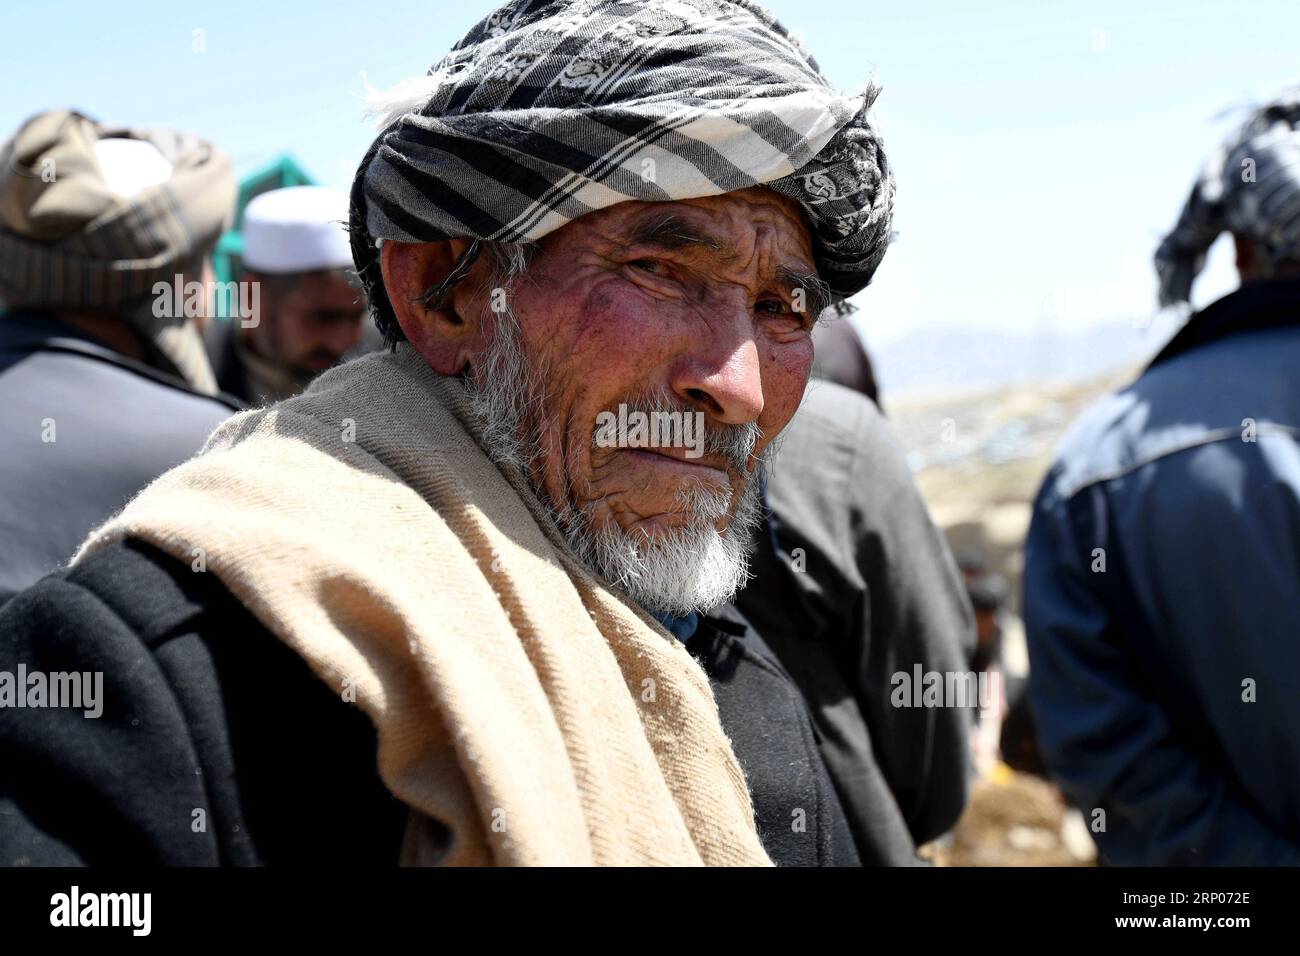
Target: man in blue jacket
1162,582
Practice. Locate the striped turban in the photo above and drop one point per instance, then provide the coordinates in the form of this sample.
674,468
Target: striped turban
551,109
1250,187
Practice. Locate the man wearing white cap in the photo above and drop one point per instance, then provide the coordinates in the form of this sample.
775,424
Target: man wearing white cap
309,311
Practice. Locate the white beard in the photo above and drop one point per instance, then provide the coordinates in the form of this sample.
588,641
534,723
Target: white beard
693,567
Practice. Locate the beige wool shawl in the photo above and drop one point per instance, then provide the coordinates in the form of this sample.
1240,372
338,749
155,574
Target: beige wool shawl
518,701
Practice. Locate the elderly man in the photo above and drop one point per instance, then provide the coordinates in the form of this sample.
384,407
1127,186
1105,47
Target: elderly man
103,383
1161,593
310,312
436,608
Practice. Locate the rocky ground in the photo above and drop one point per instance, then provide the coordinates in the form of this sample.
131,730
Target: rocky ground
1015,819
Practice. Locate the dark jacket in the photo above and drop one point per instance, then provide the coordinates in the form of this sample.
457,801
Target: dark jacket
204,710
853,584
83,429
1162,595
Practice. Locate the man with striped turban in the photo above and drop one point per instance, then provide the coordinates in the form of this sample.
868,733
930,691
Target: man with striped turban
1162,580
596,237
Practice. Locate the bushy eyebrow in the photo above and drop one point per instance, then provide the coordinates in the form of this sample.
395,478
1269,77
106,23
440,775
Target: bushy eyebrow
673,232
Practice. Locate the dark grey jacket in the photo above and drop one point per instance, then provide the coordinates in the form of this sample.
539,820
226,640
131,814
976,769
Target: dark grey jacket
878,593
83,429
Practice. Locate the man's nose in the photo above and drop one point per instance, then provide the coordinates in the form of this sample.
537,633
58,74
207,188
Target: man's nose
722,374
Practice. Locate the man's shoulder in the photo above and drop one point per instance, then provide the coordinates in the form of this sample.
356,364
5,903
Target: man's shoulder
59,360
134,419
202,707
837,458
131,583
152,592
835,430
829,409
1219,394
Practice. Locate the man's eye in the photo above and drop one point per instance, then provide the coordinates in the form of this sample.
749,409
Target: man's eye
653,266
771,306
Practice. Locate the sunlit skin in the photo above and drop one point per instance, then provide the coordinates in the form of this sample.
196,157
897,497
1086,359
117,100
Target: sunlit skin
607,320
309,326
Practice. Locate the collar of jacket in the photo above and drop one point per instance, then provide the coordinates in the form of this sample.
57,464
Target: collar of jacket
682,628
24,330
1264,304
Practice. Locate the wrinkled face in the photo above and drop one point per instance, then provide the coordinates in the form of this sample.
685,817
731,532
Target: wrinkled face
707,304
637,371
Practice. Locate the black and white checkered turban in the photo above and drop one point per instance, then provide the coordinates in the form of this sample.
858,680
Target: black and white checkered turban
551,109
1250,186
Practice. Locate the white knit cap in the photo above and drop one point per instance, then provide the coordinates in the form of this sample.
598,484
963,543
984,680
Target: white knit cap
297,229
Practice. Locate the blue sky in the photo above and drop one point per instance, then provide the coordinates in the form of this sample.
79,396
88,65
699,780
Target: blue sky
1041,149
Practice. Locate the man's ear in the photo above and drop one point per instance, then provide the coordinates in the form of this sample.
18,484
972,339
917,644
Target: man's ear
447,337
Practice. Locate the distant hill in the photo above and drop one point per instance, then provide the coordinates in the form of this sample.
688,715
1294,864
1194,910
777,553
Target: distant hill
934,361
